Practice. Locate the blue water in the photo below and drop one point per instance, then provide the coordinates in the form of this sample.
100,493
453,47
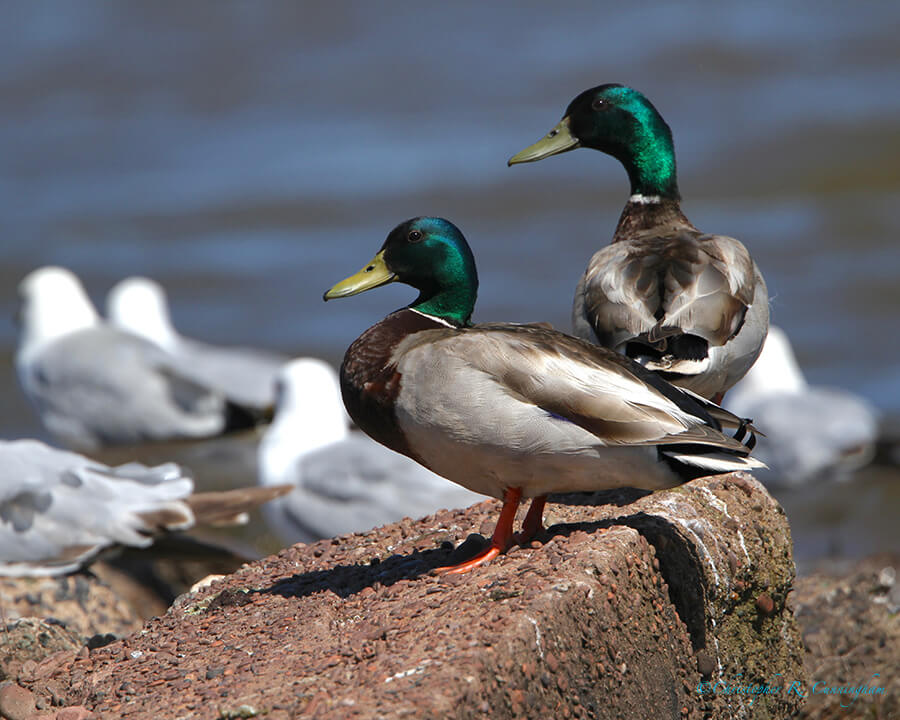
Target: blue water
248,155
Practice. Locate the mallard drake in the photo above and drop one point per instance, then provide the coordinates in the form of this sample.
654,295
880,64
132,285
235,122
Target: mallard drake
93,384
246,376
342,481
514,411
688,305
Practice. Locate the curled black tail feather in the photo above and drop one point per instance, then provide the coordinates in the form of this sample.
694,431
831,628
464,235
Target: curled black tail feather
743,429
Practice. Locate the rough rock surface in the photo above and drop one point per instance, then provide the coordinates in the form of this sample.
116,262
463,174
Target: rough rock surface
617,609
28,641
117,594
851,628
80,602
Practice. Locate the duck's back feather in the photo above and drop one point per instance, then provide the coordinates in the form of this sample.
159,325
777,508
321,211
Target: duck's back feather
655,288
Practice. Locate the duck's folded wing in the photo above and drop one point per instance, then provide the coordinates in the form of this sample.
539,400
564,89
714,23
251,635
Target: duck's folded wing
585,385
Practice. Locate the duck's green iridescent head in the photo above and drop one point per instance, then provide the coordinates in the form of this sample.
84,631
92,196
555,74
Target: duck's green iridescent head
430,254
621,122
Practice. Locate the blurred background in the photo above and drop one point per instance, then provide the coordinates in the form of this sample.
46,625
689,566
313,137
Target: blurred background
249,155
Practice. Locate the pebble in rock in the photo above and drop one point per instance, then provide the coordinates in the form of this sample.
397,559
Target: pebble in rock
16,703
76,712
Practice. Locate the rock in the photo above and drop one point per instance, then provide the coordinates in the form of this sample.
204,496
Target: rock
16,703
26,642
81,602
116,595
149,579
851,629
623,607
75,712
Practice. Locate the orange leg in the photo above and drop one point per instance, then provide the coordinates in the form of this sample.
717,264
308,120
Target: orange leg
534,520
501,539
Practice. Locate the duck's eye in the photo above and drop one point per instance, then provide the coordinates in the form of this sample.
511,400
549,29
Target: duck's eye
599,104
414,236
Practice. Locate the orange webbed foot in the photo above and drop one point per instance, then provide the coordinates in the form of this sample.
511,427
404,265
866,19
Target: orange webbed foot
484,556
500,540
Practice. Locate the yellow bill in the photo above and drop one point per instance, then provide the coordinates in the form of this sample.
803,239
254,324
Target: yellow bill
373,275
558,140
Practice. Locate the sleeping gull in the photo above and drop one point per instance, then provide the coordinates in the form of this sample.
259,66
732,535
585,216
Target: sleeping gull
344,481
810,431
58,509
95,385
245,375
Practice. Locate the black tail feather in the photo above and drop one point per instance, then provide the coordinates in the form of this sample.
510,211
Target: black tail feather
745,428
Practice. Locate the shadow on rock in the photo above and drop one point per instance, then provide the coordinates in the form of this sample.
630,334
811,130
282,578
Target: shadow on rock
679,563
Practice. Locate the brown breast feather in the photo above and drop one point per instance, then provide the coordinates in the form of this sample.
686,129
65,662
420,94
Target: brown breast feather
370,381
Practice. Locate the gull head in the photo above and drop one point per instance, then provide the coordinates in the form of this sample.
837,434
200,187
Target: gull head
52,304
139,305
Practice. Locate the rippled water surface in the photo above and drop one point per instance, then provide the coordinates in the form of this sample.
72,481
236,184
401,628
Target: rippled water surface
249,155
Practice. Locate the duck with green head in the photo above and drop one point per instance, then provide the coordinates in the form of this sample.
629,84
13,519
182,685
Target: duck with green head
514,411
688,305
